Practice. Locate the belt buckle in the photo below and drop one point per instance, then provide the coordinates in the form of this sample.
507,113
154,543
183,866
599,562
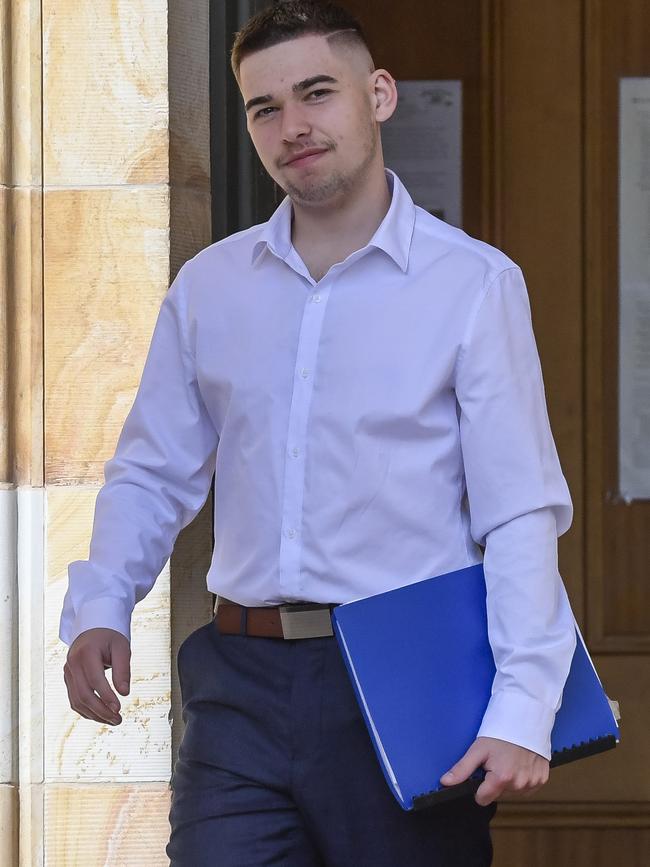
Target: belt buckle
305,620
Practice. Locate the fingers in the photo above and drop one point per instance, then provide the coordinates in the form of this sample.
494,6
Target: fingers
490,789
121,664
473,759
72,690
89,692
107,705
84,701
495,785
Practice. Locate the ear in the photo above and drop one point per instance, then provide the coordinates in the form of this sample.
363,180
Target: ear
384,94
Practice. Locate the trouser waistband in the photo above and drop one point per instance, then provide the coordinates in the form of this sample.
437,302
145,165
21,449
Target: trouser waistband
287,620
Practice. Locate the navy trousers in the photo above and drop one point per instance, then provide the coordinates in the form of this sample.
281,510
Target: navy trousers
276,767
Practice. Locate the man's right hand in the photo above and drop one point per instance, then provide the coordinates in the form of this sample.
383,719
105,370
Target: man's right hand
93,651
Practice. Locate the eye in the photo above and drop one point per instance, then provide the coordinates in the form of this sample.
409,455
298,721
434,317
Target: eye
260,112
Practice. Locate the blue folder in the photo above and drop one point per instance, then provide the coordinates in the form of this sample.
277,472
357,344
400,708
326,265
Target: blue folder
422,668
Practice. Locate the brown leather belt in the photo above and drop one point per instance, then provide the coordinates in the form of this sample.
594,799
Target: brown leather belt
289,620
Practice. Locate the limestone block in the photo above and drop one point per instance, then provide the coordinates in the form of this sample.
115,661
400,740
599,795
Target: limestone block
105,94
8,823
106,273
106,826
189,95
21,335
76,748
20,87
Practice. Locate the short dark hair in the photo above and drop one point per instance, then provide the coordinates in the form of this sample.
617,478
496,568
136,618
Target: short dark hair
294,18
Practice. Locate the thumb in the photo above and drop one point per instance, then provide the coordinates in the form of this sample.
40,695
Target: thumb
473,758
120,665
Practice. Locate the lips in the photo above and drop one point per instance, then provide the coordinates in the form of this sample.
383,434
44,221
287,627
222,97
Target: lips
307,153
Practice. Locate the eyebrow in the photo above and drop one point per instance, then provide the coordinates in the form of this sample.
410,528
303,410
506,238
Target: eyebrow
296,88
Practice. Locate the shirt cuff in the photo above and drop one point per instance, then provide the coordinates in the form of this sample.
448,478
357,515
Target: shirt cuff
520,719
105,611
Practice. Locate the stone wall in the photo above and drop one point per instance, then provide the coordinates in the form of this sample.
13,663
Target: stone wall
105,192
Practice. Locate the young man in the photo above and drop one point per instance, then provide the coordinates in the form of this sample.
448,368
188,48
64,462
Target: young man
366,380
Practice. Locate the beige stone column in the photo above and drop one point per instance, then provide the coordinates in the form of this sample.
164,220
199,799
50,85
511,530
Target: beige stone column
105,191
21,438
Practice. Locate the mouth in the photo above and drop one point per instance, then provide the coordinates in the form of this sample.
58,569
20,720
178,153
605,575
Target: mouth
306,160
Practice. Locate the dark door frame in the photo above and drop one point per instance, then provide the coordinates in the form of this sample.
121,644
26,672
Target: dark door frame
243,193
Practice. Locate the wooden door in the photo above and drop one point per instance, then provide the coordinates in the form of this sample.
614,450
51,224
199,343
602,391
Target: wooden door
540,181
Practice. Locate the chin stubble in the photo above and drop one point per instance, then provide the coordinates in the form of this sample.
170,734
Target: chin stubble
315,190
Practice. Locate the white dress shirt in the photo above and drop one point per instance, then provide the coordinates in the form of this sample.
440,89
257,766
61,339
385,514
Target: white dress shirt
368,430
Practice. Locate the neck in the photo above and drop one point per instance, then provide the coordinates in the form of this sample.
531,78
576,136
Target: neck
348,224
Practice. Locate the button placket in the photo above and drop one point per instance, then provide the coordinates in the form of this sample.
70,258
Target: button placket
294,469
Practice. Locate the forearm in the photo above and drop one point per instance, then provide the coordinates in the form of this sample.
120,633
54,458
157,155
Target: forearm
531,629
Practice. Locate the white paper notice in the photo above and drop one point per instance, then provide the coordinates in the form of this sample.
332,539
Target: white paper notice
422,144
634,288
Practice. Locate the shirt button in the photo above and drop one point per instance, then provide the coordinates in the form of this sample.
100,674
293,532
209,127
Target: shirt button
304,372
291,533
315,297
295,452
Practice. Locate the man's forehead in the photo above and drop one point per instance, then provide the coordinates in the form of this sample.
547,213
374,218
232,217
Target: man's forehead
289,62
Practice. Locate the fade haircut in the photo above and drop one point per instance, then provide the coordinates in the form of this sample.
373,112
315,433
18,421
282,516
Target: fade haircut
294,18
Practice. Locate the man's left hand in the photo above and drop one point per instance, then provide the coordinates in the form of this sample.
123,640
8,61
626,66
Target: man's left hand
509,767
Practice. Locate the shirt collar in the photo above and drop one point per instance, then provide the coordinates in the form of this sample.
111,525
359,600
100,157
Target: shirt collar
393,235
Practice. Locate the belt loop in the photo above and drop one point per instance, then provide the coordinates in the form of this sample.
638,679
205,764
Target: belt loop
243,620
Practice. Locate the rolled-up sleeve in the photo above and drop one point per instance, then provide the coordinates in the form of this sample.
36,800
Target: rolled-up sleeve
156,482
519,504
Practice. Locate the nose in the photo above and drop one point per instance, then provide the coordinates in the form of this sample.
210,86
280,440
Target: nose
294,122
